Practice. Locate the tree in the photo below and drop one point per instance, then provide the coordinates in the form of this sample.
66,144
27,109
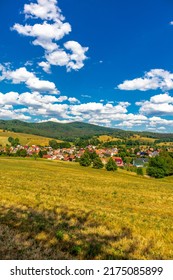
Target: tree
97,163
10,139
139,171
92,155
13,142
155,172
34,156
160,166
53,144
40,154
85,160
111,165
23,153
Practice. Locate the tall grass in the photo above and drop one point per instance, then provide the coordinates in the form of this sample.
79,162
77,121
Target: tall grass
58,210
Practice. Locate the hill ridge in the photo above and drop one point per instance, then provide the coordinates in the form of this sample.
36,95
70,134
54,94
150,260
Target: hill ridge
72,130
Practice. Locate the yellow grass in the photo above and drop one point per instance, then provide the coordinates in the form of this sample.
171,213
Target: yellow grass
25,139
168,144
140,138
105,138
58,210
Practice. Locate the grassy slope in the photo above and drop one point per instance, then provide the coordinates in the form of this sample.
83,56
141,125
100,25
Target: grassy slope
25,139
96,214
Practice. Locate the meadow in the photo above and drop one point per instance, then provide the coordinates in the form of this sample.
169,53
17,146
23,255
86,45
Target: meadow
60,210
25,139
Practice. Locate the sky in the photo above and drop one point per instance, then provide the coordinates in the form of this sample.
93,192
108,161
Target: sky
108,63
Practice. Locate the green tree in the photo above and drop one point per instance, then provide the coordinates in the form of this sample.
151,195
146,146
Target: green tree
158,167
10,139
40,154
139,171
85,160
23,153
97,163
34,156
53,144
155,172
111,165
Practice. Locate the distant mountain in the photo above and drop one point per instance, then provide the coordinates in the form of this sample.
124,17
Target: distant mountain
70,131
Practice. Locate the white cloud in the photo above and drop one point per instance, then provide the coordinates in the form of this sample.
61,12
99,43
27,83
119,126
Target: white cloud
73,100
45,66
58,58
27,105
8,98
49,32
45,33
77,55
8,113
44,9
161,98
55,120
161,104
22,75
154,79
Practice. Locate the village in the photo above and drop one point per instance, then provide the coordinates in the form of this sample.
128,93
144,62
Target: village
132,157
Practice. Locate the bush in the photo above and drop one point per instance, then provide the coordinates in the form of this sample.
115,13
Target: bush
160,166
97,163
111,165
85,160
139,171
155,172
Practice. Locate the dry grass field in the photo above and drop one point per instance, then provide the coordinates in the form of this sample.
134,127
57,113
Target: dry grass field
142,139
25,139
59,210
105,138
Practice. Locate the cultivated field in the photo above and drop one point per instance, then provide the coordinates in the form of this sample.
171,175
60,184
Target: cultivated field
25,139
58,210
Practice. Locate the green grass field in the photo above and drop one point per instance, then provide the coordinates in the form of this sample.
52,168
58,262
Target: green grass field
59,210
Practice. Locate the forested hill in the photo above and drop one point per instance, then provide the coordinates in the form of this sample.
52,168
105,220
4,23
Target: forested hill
70,131
56,130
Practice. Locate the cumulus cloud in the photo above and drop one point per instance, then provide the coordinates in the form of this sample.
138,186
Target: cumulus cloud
161,104
77,55
27,105
45,66
22,75
152,80
45,33
49,32
73,100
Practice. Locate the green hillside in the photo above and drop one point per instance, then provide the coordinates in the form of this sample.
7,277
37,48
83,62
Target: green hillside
58,210
55,130
70,131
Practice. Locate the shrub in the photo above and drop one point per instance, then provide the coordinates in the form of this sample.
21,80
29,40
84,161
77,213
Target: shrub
155,172
139,171
160,166
97,163
111,165
85,160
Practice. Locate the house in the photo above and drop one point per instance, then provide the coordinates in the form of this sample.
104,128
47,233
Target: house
119,161
47,156
140,162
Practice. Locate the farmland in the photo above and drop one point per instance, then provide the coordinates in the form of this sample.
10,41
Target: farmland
59,210
25,139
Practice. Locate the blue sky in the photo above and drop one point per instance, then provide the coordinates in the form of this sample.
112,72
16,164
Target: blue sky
103,62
